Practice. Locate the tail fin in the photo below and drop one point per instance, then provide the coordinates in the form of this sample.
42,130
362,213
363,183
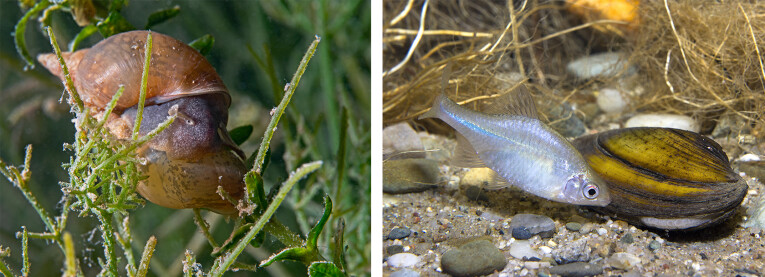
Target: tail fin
434,111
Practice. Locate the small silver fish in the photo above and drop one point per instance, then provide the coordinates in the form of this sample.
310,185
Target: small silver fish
523,150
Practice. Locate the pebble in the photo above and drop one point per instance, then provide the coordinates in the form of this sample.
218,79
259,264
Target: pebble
663,120
405,273
395,249
521,249
600,65
479,257
403,260
623,260
602,231
409,175
573,226
577,269
586,228
400,141
611,101
490,216
654,245
524,226
575,251
628,239
399,233
756,218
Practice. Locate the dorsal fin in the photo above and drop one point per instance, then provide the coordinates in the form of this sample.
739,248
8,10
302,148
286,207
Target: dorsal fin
465,155
515,102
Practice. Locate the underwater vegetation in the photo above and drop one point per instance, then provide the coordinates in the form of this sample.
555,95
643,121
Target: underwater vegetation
305,163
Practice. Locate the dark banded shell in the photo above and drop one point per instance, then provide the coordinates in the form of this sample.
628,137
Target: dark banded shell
663,178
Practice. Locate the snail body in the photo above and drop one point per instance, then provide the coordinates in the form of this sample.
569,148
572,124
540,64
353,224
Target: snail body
663,178
186,162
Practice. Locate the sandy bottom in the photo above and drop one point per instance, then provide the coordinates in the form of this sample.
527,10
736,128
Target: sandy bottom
440,219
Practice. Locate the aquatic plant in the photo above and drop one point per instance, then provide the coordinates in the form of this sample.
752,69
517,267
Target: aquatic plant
103,177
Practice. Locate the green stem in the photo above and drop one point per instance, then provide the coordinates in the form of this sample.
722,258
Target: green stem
289,91
107,234
65,70
20,31
4,269
71,264
148,251
125,239
25,252
205,228
144,81
221,265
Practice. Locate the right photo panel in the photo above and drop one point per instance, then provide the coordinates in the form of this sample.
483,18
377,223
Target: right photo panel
573,138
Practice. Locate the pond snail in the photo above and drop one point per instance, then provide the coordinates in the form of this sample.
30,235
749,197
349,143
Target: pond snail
663,178
192,157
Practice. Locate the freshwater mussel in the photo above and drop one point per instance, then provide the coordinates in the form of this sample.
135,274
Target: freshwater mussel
664,178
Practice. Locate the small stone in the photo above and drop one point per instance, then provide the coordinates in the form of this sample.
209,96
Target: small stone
405,273
602,231
524,226
521,249
663,120
573,226
394,249
607,64
487,215
546,250
536,265
400,141
575,251
399,233
586,228
623,260
611,101
654,245
479,257
403,260
577,269
627,239
409,175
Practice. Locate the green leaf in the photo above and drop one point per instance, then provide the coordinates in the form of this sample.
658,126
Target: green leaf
203,44
160,16
240,134
255,189
21,27
299,254
313,236
318,269
82,35
114,24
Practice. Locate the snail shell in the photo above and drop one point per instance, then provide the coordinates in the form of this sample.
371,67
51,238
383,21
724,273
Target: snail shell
188,160
664,178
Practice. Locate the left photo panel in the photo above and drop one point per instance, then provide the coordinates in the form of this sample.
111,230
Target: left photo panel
177,138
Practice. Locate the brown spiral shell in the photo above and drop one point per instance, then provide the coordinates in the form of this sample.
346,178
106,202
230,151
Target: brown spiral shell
186,162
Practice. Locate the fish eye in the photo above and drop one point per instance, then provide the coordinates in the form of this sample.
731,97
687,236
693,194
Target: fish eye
590,191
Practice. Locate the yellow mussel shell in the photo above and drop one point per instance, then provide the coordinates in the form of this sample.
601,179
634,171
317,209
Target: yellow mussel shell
663,178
